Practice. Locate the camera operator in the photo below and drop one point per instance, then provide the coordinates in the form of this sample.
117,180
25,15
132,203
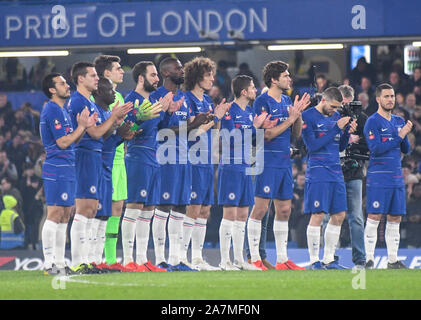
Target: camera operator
353,170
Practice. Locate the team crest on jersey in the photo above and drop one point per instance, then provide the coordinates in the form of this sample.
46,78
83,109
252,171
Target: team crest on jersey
143,193
166,195
231,196
92,189
316,204
266,189
193,195
376,204
64,196
57,124
250,117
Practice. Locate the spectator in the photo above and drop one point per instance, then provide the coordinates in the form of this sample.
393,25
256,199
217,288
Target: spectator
16,77
8,189
400,100
244,69
7,168
11,225
32,208
366,86
413,218
322,83
222,79
6,110
415,80
398,84
364,99
39,71
410,102
16,152
20,122
362,69
32,116
34,151
417,92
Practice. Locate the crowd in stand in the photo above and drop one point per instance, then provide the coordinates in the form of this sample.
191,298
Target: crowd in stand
22,153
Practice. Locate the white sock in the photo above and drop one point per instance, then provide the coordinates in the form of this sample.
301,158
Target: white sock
128,232
159,234
175,225
225,234
49,231
61,236
280,231
331,238
370,238
142,236
100,241
238,234
254,231
93,224
313,243
78,238
198,238
188,226
392,237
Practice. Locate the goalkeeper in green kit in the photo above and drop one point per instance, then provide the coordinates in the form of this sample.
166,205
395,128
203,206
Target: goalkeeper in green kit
109,67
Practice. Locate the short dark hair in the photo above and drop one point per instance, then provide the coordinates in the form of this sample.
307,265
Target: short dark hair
381,87
332,93
105,62
48,83
167,61
239,83
273,70
139,69
195,69
80,69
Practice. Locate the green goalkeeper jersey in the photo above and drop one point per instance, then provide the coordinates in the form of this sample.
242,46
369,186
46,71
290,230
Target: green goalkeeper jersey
119,152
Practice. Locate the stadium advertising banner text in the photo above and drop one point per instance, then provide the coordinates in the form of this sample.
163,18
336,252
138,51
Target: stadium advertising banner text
148,23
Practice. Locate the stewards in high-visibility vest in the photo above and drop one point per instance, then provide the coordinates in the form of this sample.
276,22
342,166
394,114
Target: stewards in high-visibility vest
11,225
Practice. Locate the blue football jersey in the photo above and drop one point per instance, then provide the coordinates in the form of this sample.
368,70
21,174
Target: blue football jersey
196,106
76,105
109,146
177,144
277,150
144,145
55,123
324,140
234,126
385,145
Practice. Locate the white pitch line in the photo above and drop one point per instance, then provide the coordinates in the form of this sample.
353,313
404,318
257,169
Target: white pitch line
119,284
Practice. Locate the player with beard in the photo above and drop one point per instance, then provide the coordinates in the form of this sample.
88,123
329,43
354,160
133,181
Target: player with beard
276,182
58,171
143,175
325,134
175,174
199,78
387,136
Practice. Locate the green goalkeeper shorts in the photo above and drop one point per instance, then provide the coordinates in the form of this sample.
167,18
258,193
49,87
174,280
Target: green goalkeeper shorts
119,182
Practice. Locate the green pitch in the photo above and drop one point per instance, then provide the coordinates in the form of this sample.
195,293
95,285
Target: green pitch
218,285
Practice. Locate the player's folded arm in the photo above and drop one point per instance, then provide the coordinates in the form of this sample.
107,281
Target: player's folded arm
313,144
